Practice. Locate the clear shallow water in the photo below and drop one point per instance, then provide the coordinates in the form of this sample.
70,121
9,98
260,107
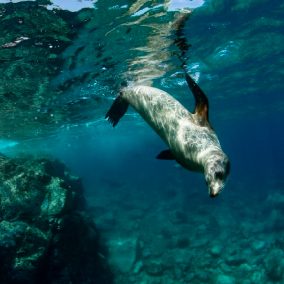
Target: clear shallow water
58,84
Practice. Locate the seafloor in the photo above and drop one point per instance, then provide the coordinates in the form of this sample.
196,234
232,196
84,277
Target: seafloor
161,230
175,234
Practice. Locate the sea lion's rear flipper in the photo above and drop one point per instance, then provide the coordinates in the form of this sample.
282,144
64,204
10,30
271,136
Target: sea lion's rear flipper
201,101
117,110
165,155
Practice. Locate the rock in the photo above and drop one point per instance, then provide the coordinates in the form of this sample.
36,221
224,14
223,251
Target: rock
167,280
274,222
178,217
141,244
202,227
257,277
106,222
153,268
202,276
44,231
236,259
245,270
225,268
177,273
182,242
138,267
223,279
216,251
146,253
274,264
122,253
257,245
189,277
279,243
199,243
231,250
166,232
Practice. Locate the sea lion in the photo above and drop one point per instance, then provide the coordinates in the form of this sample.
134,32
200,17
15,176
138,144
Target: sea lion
190,137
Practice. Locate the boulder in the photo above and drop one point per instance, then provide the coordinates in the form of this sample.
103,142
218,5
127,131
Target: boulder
44,231
274,264
122,253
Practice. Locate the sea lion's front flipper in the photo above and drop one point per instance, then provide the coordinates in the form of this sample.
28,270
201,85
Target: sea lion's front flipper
117,110
165,155
201,101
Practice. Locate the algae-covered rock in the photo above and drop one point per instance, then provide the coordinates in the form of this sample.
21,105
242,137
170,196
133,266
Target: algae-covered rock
44,231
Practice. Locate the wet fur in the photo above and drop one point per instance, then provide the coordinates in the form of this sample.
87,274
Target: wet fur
189,142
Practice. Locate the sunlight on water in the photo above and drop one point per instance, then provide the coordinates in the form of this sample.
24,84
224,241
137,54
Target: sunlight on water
15,1
72,5
145,10
179,4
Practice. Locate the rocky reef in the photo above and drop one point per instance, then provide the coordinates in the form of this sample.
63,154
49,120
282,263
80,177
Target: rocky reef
45,234
179,235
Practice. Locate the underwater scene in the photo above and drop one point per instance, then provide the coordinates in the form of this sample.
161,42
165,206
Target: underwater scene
141,142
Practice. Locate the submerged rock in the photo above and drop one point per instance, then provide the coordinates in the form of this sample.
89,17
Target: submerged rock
122,253
223,279
258,245
274,264
138,267
154,268
44,231
216,251
236,259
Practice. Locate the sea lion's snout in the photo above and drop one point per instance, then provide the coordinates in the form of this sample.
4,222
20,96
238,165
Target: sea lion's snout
216,174
216,183
215,190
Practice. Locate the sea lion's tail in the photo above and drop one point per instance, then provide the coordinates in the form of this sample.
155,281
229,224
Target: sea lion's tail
117,110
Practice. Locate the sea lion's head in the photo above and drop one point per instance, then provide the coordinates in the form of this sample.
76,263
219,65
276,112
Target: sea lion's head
217,170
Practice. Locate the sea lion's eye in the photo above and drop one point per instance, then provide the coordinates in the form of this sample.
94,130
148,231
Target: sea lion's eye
218,175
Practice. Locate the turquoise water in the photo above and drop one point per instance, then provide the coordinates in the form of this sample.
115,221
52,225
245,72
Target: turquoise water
59,76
